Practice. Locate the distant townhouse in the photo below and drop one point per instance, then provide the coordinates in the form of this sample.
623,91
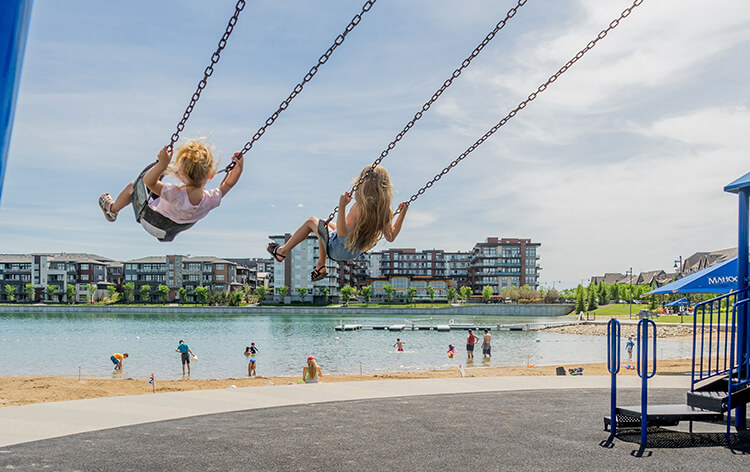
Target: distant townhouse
503,263
402,283
177,271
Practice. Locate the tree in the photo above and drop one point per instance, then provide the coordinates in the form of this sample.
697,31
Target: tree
128,290
465,293
431,293
91,289
10,292
551,296
580,304
145,293
603,294
347,291
451,294
183,294
50,291
326,294
246,291
411,292
487,293
302,292
366,293
70,293
592,298
283,291
163,292
389,292
201,293
112,293
235,298
614,292
29,291
260,292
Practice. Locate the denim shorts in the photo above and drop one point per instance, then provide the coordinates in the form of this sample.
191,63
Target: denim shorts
337,249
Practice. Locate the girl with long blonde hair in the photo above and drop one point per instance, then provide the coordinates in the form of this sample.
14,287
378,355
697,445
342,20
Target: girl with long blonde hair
311,372
356,231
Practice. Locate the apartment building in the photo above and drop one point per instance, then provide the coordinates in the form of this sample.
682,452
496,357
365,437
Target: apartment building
402,283
40,270
176,272
504,262
294,272
254,271
434,264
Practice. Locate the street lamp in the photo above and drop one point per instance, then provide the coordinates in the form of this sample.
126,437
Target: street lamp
630,271
678,266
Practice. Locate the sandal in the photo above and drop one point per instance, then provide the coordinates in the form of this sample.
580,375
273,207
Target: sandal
105,203
273,249
318,274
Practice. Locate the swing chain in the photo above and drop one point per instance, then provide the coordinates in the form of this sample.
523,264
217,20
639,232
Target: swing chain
528,100
207,72
447,83
308,77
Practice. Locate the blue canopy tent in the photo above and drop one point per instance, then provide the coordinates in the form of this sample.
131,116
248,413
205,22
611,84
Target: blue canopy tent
681,301
719,278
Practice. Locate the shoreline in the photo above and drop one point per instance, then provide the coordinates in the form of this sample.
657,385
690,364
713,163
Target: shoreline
24,390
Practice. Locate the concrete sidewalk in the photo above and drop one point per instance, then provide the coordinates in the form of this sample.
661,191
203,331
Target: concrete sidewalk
20,424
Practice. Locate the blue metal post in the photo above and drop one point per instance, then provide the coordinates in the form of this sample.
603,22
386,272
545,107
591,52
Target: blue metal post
14,22
643,372
613,365
742,283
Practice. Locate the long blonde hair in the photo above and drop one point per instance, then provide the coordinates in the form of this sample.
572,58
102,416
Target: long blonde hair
312,368
373,198
194,161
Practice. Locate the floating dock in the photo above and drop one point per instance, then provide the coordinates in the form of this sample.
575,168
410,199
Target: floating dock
418,325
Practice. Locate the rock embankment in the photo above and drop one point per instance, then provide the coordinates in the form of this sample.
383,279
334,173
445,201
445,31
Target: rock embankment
600,329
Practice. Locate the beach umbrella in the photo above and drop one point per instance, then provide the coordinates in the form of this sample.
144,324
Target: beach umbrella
719,278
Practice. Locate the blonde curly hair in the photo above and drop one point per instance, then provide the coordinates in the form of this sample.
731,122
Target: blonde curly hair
374,203
194,162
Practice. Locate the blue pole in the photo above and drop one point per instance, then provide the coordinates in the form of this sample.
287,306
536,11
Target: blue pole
14,26
742,273
613,365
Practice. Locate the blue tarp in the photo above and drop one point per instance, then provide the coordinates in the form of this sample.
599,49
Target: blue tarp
681,301
719,278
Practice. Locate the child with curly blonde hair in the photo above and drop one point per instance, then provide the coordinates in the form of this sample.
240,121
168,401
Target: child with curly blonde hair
355,232
183,204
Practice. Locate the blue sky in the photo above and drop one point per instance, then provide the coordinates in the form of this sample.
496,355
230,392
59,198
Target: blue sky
620,164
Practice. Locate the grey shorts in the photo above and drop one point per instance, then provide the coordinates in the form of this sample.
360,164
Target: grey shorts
486,348
337,249
185,358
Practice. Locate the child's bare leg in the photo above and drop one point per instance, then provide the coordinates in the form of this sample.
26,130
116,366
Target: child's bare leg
309,226
123,199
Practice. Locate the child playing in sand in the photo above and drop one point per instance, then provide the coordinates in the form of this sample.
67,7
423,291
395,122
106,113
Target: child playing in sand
183,204
117,359
369,219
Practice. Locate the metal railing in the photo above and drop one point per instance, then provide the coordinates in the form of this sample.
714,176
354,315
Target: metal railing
713,336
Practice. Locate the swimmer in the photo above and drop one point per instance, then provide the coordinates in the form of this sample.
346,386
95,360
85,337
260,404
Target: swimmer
251,368
399,344
451,351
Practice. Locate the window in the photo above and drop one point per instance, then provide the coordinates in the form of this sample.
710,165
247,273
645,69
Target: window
219,266
84,276
220,277
84,267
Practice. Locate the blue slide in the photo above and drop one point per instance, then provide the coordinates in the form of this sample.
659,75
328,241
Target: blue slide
14,26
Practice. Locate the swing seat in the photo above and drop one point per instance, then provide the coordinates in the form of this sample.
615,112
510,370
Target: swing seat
156,224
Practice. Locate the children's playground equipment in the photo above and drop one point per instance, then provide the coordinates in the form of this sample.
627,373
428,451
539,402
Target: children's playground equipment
14,26
720,377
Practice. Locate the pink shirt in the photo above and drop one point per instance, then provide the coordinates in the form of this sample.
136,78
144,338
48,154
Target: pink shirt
175,204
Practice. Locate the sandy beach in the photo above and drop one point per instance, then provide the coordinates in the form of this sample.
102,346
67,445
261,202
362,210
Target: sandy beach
599,328
39,389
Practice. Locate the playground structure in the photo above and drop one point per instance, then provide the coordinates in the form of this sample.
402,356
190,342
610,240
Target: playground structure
720,377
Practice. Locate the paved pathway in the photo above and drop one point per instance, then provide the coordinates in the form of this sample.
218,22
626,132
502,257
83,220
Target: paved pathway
477,424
